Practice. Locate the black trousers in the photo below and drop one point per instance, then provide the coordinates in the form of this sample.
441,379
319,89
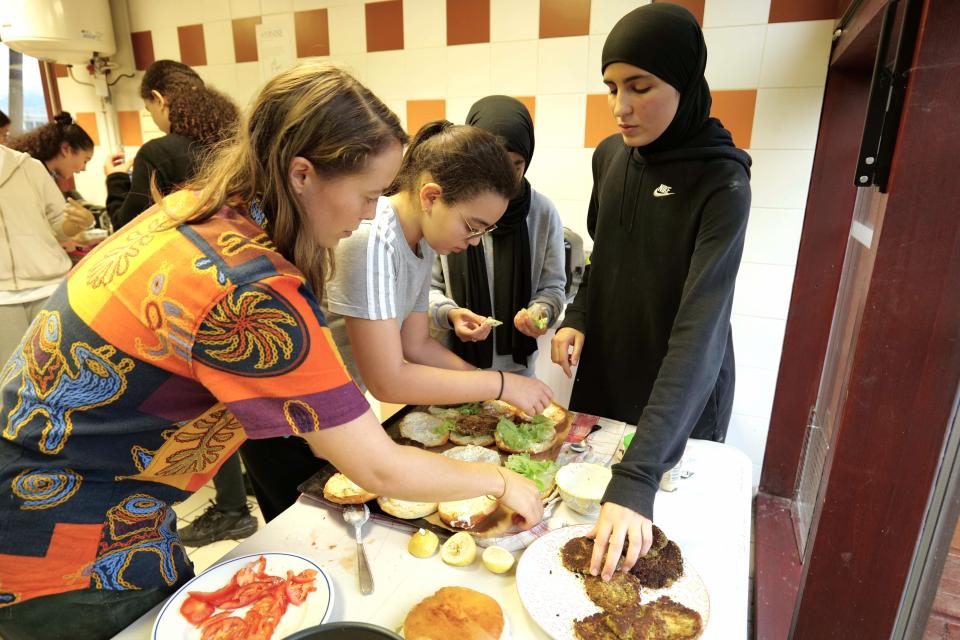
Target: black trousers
231,496
276,467
90,614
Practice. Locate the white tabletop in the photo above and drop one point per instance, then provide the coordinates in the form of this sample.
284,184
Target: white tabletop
709,516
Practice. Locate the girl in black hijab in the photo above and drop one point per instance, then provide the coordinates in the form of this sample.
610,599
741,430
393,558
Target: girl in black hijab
516,275
650,326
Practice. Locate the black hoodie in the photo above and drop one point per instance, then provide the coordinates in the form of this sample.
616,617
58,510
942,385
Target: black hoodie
668,231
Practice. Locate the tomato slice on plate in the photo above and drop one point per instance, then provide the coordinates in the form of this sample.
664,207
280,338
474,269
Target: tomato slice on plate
247,594
225,627
218,596
195,610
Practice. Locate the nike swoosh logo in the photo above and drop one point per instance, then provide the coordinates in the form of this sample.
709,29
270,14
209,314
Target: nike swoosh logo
663,191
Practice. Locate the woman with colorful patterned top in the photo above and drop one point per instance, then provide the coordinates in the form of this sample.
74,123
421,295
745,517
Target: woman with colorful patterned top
194,328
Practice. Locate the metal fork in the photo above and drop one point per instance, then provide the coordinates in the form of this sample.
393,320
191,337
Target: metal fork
357,515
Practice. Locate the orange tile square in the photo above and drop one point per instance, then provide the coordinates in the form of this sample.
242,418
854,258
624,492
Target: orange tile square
468,21
600,121
797,10
313,33
88,122
735,110
693,6
420,112
193,51
559,18
130,133
384,25
245,39
530,102
142,49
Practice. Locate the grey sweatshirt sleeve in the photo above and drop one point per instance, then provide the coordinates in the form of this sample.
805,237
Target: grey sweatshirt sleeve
440,301
549,284
695,351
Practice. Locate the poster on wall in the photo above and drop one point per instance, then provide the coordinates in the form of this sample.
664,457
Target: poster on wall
275,48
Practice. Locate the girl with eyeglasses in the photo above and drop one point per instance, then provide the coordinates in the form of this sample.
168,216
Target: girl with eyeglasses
453,186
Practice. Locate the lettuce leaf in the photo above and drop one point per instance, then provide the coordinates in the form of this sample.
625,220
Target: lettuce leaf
469,409
540,471
522,436
445,427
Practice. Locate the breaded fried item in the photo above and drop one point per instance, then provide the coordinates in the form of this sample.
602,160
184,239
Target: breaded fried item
681,623
455,612
576,553
593,628
660,540
478,424
621,591
660,570
636,623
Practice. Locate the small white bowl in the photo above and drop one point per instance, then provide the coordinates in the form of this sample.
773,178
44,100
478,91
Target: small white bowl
581,486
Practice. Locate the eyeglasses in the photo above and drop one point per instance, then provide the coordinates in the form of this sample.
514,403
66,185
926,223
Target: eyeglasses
474,233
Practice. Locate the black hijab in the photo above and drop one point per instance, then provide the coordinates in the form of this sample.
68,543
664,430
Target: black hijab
666,40
507,118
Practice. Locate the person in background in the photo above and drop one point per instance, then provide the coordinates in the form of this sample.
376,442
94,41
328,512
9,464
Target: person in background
516,273
209,333
194,118
453,186
4,127
650,326
33,218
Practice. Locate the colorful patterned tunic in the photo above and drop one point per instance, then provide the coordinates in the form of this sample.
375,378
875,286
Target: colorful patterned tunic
164,350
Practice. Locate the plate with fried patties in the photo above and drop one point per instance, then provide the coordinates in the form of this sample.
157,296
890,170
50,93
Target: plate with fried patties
557,597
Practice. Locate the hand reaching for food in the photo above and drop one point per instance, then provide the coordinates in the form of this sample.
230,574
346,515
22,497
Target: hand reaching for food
565,349
522,496
530,394
532,321
616,526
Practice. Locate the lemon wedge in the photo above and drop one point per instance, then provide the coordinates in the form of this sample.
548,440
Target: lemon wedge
497,559
423,543
460,550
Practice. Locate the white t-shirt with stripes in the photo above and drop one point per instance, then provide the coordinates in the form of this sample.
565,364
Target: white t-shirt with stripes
378,275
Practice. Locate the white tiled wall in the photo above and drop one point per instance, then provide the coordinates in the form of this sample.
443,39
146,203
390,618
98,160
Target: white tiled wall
786,63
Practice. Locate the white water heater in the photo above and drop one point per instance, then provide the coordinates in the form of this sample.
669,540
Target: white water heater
63,31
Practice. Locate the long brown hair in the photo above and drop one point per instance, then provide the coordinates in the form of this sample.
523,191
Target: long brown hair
197,111
464,160
45,142
317,112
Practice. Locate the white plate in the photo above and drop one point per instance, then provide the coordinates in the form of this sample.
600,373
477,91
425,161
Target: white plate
171,625
554,597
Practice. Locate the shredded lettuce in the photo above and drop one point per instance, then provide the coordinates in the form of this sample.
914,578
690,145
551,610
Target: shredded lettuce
469,409
444,427
522,436
540,471
540,322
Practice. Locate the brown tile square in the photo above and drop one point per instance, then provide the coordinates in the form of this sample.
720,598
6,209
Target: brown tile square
693,6
559,18
88,122
735,110
142,49
313,33
384,25
600,122
797,10
420,112
193,52
530,102
245,39
130,133
468,21
60,71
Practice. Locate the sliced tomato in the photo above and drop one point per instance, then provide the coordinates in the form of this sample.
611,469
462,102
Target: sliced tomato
225,628
264,616
251,572
218,596
307,575
297,592
195,610
247,594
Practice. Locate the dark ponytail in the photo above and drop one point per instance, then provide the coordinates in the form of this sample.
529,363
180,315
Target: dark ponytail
464,160
44,142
